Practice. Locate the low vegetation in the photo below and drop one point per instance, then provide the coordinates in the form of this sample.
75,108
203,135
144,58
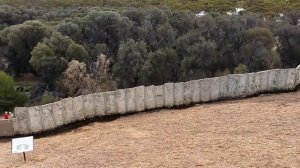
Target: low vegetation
8,96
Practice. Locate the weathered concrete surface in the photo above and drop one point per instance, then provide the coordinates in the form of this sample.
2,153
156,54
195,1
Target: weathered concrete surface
205,89
130,100
78,108
7,128
242,86
223,87
196,97
121,101
214,89
99,104
150,97
232,85
159,96
89,106
35,119
21,126
264,86
68,109
252,88
277,79
169,94
187,93
58,114
47,117
140,98
282,74
111,105
273,77
261,81
291,79
179,94
298,75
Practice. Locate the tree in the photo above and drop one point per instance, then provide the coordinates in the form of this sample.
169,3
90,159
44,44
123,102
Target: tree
199,62
69,29
46,63
77,52
3,64
128,71
156,17
9,98
293,17
183,22
162,67
106,27
21,40
74,78
258,51
94,51
78,81
289,45
197,55
101,79
59,43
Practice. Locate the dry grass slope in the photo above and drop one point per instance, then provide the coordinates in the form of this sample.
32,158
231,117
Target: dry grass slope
254,132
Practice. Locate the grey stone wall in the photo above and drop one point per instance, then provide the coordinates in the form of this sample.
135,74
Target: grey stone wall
37,119
121,101
46,112
111,104
140,98
169,95
150,97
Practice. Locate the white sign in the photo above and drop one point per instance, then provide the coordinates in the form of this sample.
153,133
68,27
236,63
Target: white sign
20,145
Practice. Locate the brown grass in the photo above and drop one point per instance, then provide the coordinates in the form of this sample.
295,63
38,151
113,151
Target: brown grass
255,132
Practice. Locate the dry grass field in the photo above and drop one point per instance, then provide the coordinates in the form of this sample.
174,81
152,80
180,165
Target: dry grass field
261,131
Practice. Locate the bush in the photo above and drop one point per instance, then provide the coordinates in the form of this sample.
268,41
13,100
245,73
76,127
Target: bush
9,98
223,72
240,69
48,98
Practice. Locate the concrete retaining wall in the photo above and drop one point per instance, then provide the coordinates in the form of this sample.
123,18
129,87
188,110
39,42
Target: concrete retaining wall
37,119
7,128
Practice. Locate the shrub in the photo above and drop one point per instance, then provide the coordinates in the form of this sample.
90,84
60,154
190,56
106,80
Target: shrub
9,98
240,69
48,98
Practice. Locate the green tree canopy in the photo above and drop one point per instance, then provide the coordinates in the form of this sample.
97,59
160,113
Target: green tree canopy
46,63
9,98
21,40
128,70
77,52
162,67
257,51
289,37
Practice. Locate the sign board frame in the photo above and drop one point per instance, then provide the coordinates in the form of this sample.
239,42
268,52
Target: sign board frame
22,145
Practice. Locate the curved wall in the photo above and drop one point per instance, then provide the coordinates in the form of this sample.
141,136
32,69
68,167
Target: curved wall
37,119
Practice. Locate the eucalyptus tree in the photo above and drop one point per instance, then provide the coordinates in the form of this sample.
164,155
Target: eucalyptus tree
21,41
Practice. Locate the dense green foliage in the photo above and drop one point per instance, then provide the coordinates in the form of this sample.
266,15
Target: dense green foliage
145,45
9,98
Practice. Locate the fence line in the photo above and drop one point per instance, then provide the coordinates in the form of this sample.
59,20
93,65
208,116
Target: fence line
37,119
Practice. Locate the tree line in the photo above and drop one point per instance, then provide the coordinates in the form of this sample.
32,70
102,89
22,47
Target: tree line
99,50
266,7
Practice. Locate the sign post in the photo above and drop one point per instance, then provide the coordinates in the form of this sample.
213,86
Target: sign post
24,156
22,145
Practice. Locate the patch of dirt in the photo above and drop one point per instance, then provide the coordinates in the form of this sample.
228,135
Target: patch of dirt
262,131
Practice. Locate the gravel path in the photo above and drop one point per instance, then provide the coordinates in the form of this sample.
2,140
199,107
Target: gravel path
255,132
